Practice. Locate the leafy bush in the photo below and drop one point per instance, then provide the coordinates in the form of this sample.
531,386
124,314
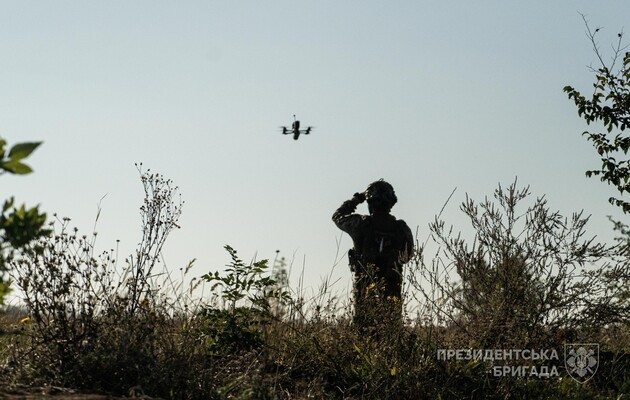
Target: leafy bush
237,327
524,276
609,105
93,325
18,225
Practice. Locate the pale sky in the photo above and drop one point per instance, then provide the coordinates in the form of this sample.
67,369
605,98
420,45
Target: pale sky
429,95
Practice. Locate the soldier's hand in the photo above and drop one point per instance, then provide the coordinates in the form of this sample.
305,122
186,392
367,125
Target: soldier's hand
359,197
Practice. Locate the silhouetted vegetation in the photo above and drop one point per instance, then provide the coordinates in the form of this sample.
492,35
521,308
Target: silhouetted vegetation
96,324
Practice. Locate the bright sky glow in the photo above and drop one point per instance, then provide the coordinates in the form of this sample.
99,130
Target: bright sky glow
430,95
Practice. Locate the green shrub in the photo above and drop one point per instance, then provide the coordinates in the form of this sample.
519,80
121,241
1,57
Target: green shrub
18,225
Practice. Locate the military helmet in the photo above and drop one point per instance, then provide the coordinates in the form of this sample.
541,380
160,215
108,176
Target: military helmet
380,196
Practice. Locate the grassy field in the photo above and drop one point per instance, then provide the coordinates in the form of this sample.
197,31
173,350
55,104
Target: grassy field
92,326
289,351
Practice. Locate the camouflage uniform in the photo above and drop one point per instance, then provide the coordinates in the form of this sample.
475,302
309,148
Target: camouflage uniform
382,245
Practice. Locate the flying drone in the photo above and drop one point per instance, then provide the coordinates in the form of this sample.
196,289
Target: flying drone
295,129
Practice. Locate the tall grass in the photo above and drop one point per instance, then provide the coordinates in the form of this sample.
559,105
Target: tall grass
130,328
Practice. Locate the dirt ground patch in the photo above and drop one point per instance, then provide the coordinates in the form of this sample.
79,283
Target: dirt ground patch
21,392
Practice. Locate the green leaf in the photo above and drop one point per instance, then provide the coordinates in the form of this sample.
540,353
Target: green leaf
8,204
16,167
22,150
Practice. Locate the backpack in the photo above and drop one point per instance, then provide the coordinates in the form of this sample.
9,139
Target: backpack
381,245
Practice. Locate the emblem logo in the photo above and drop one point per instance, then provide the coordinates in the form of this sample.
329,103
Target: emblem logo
581,360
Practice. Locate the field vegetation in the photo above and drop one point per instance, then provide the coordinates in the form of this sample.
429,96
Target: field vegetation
530,279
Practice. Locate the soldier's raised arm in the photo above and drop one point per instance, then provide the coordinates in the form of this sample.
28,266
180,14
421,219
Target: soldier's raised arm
345,218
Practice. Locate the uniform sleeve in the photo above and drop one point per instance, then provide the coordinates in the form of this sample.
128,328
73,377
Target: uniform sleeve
407,254
345,219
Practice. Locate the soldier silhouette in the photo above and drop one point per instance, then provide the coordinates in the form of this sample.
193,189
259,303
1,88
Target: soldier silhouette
382,245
